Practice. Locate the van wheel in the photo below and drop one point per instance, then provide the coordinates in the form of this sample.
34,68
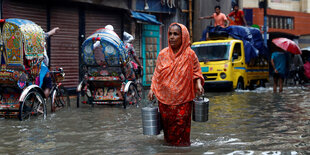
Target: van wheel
252,85
240,84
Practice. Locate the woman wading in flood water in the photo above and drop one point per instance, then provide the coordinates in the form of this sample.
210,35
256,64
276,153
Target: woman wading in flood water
176,80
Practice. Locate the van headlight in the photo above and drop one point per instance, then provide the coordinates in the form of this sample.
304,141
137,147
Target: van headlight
223,75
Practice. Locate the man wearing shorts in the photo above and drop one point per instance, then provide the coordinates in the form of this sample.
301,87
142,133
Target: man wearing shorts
279,63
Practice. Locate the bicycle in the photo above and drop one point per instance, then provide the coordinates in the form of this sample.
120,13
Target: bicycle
138,82
59,95
134,93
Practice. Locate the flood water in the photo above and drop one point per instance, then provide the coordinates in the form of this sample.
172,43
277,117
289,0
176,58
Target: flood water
240,122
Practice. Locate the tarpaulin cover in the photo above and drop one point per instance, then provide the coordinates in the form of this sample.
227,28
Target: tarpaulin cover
252,40
145,17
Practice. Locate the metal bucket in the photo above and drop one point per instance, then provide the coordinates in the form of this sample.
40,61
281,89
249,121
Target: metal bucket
150,121
200,109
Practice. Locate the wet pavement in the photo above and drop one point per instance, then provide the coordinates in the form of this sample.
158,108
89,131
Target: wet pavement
240,122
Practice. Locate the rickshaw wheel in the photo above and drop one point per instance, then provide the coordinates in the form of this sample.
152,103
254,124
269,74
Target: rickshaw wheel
79,99
131,96
60,99
33,105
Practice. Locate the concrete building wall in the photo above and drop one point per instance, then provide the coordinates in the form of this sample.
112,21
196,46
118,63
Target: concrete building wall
249,3
179,17
305,6
287,5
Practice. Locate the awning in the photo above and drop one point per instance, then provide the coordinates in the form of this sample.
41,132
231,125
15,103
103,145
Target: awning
145,17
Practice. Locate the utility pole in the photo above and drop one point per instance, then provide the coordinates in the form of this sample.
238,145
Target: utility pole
263,4
265,22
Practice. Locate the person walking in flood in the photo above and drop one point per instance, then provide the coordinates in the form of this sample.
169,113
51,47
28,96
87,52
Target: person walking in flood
279,62
176,81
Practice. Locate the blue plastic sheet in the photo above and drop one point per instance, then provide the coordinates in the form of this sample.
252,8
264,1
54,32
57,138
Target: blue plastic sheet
251,37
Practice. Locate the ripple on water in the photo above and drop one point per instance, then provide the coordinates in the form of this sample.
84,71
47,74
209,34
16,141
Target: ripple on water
240,122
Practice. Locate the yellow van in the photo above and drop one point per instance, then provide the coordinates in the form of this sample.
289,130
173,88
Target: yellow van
223,65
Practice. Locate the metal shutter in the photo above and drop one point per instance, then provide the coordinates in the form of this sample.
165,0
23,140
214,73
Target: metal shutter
96,19
65,44
35,12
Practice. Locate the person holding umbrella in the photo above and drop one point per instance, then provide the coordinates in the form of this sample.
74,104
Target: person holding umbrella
279,63
279,60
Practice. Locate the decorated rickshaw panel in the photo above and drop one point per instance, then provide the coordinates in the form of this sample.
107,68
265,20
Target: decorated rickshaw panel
33,38
2,51
13,44
23,36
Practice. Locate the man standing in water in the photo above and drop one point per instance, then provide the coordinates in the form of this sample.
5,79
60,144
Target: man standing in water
279,63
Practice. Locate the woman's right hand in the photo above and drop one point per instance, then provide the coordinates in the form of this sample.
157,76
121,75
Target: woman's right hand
151,95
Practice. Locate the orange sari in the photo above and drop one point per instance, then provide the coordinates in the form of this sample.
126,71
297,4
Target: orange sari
173,81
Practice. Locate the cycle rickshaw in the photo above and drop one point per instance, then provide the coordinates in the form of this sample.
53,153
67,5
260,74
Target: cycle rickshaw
21,54
106,72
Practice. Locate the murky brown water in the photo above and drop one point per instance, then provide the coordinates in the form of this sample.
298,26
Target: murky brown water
246,122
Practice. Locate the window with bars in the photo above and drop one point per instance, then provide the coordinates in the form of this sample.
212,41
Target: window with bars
280,22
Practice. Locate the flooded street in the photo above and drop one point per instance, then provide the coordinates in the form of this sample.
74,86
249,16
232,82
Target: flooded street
241,122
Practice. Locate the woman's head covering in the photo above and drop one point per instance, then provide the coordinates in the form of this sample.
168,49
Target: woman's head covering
185,38
174,75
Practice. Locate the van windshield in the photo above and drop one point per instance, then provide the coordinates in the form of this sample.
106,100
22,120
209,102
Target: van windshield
212,52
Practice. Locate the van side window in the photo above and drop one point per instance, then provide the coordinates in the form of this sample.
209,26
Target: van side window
237,52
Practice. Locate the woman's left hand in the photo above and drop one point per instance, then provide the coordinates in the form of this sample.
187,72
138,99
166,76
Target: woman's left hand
199,87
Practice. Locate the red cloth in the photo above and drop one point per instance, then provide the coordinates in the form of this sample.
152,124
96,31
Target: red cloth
176,121
238,17
175,74
307,69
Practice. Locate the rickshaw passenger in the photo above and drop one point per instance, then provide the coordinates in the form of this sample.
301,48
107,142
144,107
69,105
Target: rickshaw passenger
99,56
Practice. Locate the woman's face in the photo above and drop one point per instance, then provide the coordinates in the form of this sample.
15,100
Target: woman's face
175,37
